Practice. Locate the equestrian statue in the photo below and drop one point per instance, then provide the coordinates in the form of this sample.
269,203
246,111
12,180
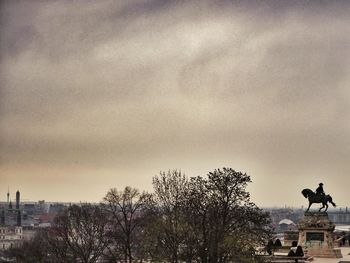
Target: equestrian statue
318,196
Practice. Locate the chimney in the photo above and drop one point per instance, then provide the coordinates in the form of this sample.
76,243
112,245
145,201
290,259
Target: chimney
17,199
8,194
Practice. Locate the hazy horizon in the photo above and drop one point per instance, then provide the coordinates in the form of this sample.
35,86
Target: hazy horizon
102,94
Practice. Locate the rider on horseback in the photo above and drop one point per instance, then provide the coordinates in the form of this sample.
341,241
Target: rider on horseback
318,197
319,191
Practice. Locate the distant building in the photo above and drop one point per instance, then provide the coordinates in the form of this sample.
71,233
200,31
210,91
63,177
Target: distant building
12,233
29,209
46,219
57,208
10,236
340,217
20,221
279,215
286,224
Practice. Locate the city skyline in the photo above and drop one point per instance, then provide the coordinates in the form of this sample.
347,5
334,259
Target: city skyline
96,95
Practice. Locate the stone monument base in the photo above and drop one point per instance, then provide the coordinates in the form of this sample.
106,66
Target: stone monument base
316,235
324,252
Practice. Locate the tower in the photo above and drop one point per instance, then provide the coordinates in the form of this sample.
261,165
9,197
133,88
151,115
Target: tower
19,218
17,199
8,195
2,217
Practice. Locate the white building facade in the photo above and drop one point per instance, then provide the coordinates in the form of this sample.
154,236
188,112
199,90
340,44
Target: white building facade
10,236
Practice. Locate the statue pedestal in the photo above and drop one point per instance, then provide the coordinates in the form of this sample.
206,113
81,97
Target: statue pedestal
316,235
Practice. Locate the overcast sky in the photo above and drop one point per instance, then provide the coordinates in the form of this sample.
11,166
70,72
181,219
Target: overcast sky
101,94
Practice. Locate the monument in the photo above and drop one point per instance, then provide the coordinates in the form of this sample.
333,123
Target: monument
316,229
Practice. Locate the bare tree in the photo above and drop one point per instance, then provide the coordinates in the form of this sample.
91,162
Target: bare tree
169,193
79,234
127,209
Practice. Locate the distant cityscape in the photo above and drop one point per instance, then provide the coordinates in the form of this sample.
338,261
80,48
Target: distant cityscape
19,221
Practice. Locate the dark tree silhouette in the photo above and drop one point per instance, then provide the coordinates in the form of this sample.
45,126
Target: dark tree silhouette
78,234
169,193
211,219
232,226
127,210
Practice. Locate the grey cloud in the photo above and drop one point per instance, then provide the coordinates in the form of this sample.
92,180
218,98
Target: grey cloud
154,84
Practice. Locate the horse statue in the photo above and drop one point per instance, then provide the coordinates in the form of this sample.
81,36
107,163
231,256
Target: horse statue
313,198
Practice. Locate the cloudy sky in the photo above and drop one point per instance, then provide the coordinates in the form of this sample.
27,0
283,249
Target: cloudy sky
101,94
